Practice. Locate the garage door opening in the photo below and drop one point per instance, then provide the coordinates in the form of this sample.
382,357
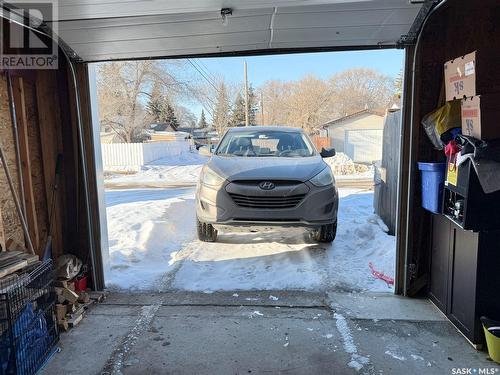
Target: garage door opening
157,118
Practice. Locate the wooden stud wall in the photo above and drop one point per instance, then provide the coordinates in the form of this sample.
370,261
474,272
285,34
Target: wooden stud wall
46,129
24,151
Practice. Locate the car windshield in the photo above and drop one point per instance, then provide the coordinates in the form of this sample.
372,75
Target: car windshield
261,143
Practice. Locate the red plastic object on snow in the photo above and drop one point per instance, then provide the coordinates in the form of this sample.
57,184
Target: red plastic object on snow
80,284
380,275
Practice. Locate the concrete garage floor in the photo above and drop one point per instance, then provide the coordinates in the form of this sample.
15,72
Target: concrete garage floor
264,333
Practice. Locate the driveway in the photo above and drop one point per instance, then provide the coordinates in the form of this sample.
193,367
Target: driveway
153,247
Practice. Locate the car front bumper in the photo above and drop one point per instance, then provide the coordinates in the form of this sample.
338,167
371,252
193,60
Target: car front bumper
319,206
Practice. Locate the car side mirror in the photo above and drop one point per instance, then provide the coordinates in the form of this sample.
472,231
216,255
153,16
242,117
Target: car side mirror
205,151
327,152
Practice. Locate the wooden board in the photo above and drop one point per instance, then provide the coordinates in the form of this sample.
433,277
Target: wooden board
35,151
74,321
5,255
2,234
22,126
11,267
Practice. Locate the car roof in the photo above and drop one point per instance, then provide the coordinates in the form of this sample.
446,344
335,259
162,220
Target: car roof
265,128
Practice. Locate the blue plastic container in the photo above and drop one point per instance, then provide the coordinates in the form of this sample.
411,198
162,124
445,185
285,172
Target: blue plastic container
433,175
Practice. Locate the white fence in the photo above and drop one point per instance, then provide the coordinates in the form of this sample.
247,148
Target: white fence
132,156
364,146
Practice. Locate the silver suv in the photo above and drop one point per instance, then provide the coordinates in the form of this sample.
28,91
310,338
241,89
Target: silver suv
267,176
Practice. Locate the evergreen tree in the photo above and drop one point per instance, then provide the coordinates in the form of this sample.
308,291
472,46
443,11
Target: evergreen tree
203,121
169,116
156,106
238,111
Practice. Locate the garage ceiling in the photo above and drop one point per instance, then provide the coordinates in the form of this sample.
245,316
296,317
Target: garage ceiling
115,29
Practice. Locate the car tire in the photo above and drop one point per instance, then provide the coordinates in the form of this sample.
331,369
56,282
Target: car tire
325,233
206,232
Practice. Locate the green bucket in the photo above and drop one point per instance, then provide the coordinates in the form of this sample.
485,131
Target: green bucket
492,333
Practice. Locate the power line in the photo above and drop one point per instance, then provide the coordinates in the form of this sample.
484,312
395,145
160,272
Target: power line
204,76
200,63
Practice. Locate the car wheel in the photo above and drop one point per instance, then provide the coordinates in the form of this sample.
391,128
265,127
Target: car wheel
206,232
325,233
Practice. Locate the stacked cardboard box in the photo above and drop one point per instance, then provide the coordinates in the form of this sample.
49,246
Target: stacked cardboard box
467,80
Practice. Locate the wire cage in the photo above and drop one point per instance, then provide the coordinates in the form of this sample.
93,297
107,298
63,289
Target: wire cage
28,329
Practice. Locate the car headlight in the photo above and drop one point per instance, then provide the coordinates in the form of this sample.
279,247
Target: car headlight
323,178
210,178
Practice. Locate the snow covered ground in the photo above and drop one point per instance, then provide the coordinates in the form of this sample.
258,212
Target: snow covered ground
153,246
178,171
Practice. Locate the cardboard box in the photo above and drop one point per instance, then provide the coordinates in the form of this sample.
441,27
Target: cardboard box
460,77
480,116
473,74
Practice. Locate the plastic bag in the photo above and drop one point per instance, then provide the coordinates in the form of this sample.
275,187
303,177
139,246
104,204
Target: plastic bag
68,266
441,120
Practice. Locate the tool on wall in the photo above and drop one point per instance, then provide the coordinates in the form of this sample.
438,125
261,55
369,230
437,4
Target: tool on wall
22,219
47,253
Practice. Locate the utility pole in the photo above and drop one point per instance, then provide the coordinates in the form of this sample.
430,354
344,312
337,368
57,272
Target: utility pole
262,107
246,96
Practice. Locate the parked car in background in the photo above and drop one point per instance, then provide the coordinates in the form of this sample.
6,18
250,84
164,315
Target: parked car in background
263,176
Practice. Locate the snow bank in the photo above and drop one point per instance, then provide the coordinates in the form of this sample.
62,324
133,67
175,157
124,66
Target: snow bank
145,229
361,238
341,165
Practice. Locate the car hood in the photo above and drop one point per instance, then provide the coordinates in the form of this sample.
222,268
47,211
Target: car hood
272,168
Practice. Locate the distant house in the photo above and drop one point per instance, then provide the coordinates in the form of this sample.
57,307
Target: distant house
163,131
359,135
163,127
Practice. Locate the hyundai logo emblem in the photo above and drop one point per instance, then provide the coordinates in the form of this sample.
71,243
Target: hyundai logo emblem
267,185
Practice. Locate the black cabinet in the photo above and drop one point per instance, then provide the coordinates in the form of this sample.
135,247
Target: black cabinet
467,204
465,275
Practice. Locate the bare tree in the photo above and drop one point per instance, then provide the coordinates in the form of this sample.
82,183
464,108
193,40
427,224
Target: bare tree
186,118
310,102
276,96
222,109
361,88
305,103
124,87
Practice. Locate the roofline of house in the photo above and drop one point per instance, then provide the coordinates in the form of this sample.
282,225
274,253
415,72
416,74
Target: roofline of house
377,112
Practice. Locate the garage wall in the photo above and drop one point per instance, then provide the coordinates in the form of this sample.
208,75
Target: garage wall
365,121
9,217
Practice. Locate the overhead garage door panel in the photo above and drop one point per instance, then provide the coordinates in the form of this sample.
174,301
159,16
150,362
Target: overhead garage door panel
147,28
344,18
114,29
338,34
181,45
92,9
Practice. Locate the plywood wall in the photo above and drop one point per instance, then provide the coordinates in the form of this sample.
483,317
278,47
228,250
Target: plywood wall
11,224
